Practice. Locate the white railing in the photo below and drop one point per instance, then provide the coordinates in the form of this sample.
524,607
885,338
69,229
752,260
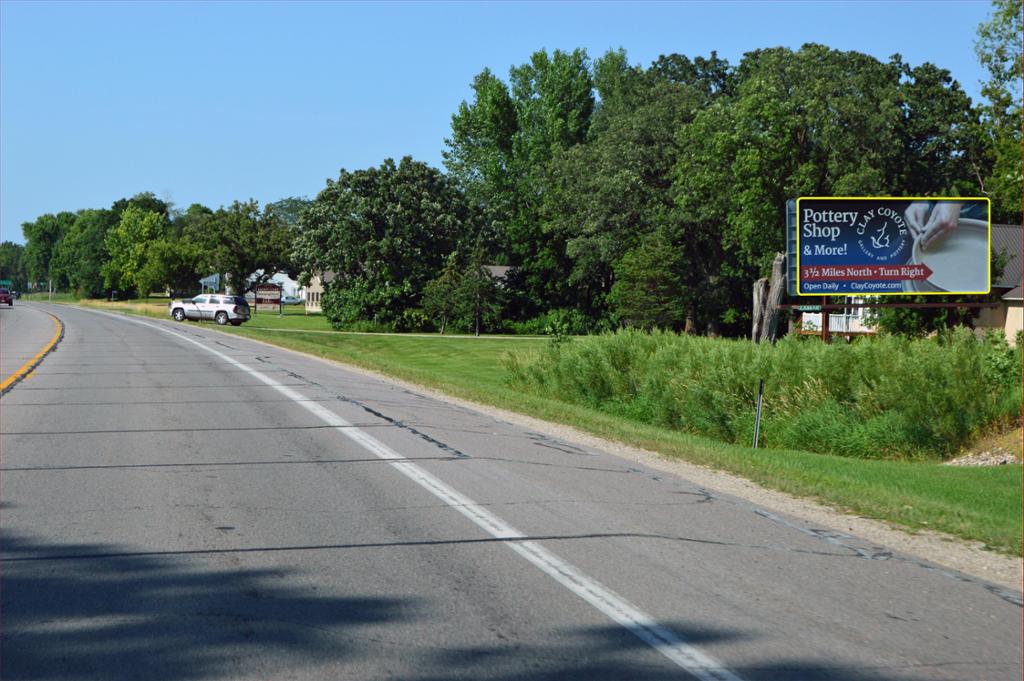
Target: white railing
837,323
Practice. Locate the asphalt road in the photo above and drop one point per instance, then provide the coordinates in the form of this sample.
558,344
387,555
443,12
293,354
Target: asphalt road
182,504
25,331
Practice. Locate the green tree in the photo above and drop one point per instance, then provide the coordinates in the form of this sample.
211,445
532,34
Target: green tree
554,99
385,232
128,243
83,251
171,264
12,265
42,237
812,122
147,201
476,303
498,152
940,149
999,49
648,289
440,295
605,196
289,210
479,153
247,245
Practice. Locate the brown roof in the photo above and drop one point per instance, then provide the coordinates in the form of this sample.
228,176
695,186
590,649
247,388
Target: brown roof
1015,294
1009,239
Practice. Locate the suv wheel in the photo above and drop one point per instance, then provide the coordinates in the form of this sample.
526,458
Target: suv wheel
178,314
221,318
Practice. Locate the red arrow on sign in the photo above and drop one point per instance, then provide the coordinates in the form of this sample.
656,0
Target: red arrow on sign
864,272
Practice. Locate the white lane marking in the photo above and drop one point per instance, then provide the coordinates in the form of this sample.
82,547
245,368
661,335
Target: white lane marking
617,608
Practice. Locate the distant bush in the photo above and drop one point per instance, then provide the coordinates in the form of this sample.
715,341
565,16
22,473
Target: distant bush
561,321
364,326
884,397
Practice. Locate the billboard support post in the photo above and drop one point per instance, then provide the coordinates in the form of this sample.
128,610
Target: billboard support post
757,416
826,336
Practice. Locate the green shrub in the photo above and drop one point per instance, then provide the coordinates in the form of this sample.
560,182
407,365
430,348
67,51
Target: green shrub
884,397
570,322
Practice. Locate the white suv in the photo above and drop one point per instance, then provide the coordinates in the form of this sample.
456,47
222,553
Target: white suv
219,308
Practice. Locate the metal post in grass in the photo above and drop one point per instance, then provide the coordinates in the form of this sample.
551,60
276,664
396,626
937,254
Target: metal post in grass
757,416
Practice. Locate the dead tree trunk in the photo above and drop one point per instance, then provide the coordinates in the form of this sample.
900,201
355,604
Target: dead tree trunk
761,287
767,296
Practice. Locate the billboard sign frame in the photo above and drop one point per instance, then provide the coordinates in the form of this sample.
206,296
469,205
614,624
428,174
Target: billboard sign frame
877,266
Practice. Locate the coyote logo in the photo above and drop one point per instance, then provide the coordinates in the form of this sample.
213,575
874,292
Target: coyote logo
882,238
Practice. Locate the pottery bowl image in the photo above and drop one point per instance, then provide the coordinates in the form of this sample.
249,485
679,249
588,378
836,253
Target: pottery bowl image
959,261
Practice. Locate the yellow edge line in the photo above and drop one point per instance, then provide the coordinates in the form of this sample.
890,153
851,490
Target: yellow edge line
39,355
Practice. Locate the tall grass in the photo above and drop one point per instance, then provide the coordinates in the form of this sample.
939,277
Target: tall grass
884,397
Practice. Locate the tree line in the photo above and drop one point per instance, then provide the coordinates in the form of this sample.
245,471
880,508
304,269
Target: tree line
143,244
616,194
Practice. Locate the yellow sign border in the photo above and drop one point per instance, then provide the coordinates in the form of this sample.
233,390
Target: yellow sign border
961,199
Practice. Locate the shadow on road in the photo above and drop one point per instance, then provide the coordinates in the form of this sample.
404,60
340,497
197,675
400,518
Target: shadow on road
159,617
78,611
609,653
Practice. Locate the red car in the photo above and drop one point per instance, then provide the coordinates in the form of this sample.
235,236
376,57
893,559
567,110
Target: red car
6,297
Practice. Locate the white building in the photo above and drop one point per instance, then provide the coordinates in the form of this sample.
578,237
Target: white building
313,293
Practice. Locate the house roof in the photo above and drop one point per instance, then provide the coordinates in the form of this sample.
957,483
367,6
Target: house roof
1009,239
1015,294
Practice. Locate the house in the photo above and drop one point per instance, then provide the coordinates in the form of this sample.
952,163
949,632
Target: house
1007,240
314,292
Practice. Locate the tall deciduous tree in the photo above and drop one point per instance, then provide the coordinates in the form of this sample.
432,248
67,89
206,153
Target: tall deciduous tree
246,244
83,251
289,210
385,233
812,122
479,154
999,49
499,149
605,196
171,264
12,265
42,237
127,244
554,100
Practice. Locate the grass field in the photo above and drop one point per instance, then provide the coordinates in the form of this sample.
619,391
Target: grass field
982,504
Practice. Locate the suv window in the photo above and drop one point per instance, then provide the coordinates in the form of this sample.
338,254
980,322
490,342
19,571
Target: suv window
199,300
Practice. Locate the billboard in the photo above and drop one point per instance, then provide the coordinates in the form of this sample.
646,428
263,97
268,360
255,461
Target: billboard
892,246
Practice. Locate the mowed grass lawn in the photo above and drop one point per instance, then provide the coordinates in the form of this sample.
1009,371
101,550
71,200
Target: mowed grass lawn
982,504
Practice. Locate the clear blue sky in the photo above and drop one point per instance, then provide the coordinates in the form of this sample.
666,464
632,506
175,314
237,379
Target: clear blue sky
205,102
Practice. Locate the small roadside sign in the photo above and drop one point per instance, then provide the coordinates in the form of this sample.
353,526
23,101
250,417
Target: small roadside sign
6,283
268,297
808,308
